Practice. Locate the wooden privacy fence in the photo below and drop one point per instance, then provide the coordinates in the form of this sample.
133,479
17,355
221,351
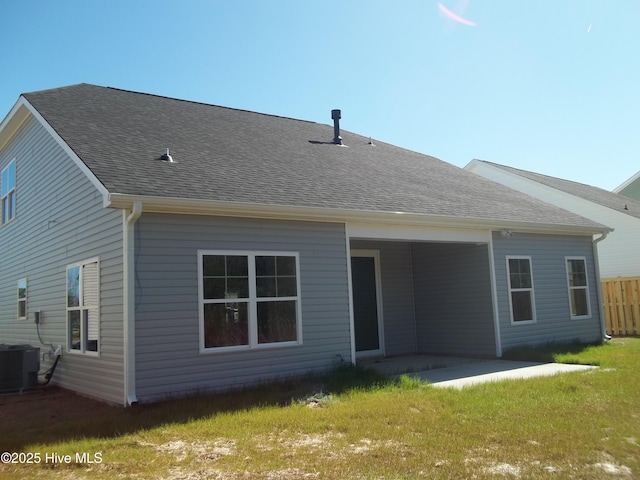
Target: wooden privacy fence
621,298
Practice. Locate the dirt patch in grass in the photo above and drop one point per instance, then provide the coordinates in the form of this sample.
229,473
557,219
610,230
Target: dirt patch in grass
48,406
49,403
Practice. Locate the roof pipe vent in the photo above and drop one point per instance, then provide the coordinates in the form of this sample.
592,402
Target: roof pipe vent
335,115
166,157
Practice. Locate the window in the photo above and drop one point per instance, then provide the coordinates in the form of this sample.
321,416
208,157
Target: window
248,300
8,192
521,297
578,287
22,299
83,316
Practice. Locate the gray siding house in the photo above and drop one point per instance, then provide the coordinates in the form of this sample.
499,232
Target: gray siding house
259,247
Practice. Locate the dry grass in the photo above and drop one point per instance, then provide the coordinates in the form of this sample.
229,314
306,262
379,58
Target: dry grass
578,425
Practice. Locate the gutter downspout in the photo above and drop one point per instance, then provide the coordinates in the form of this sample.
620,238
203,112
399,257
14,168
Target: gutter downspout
129,305
603,327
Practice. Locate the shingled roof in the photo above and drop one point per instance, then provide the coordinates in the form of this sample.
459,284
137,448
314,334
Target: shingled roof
614,201
237,156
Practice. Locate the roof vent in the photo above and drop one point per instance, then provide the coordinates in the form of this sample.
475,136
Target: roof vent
335,115
166,157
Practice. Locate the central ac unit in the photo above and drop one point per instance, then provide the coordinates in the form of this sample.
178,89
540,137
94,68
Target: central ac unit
19,365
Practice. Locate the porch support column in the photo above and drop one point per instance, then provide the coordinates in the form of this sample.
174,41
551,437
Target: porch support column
494,297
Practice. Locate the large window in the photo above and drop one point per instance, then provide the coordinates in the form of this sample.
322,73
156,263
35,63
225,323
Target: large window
578,287
83,316
248,299
22,299
8,192
521,296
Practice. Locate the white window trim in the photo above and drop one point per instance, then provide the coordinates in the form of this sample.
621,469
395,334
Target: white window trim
252,301
586,287
531,290
95,260
11,192
26,296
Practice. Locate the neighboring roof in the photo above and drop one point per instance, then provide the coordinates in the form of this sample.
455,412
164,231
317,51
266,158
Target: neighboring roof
630,187
614,201
230,155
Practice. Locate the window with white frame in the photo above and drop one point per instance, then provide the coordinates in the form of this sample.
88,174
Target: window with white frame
248,299
521,295
578,287
83,316
8,192
22,299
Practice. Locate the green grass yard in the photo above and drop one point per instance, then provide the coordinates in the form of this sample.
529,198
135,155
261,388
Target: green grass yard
363,426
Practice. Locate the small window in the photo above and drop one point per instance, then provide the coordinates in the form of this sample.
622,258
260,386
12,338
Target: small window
248,300
22,299
8,192
83,318
521,295
578,287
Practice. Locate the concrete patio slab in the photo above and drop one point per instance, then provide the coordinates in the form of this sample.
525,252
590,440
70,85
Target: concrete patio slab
458,372
460,376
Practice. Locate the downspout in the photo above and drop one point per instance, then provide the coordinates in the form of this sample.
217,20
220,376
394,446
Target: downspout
603,327
129,305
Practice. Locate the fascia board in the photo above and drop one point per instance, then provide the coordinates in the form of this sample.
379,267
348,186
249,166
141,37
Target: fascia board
626,183
12,123
188,206
67,149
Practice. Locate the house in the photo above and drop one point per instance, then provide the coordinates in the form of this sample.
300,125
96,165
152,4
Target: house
617,255
169,246
630,188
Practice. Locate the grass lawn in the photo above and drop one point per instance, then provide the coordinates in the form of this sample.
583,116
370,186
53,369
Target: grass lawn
360,425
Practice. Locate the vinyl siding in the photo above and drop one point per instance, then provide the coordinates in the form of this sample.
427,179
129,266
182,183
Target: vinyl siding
454,312
168,360
60,220
397,295
554,323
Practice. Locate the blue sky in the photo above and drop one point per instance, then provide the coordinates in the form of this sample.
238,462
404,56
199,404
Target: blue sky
551,86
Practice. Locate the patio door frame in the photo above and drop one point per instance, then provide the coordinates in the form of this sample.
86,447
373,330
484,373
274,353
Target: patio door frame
375,254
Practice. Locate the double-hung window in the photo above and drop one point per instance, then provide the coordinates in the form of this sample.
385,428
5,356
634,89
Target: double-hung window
83,316
22,299
521,294
248,299
578,287
8,192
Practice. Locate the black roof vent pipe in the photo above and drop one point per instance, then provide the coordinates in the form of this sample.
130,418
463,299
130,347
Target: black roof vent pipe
335,115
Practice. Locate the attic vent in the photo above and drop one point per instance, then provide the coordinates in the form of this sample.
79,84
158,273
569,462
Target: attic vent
335,115
166,157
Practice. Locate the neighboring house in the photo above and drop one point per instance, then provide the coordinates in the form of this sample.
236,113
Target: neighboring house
259,247
630,188
618,253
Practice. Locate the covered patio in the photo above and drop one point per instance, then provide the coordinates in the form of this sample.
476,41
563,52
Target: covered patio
416,298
